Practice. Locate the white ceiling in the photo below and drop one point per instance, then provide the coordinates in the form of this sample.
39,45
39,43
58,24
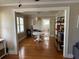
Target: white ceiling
26,1
33,2
16,1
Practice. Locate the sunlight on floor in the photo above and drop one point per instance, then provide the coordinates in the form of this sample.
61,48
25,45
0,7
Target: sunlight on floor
46,44
21,53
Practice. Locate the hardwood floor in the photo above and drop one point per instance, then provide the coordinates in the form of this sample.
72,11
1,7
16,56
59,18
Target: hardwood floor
29,49
39,50
11,57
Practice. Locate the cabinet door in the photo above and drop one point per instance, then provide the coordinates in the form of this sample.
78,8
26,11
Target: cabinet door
2,50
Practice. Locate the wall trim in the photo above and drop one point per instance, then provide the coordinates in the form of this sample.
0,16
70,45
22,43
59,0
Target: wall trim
40,9
12,52
66,31
22,38
69,56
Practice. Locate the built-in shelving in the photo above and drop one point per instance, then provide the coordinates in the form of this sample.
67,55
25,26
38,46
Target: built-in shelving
59,33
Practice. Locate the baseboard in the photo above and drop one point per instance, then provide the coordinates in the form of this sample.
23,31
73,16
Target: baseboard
69,56
13,56
22,38
12,53
2,56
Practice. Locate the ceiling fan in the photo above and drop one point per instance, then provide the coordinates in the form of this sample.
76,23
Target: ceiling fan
21,4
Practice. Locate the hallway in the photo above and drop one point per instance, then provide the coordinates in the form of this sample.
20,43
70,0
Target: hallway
29,49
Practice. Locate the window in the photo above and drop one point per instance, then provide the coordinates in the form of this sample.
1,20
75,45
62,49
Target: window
20,24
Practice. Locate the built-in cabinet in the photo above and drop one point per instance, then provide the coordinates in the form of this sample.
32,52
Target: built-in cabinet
59,33
2,48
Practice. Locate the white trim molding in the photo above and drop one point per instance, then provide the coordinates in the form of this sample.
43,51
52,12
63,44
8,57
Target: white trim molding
66,27
66,32
22,38
69,56
12,52
40,9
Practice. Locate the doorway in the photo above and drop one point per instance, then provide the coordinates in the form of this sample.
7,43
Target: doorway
46,26
66,10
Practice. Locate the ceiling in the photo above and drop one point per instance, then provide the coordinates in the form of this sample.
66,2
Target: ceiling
23,1
32,1
15,1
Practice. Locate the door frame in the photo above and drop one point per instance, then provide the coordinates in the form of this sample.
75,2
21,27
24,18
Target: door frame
66,24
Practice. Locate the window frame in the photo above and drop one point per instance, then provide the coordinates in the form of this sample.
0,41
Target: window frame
18,24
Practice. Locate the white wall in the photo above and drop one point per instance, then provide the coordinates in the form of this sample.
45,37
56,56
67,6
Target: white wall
73,30
8,29
39,23
60,13
52,26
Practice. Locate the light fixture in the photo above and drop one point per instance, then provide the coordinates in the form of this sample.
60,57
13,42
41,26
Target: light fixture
19,3
38,16
37,0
